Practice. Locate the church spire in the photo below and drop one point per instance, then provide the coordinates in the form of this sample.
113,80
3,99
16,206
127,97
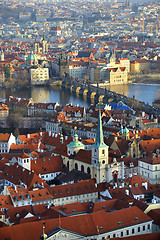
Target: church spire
99,135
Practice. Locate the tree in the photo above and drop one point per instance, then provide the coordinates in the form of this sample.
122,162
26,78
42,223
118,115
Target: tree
7,72
16,132
65,130
13,120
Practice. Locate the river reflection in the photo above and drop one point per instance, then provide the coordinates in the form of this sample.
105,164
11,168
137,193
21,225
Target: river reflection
143,92
121,89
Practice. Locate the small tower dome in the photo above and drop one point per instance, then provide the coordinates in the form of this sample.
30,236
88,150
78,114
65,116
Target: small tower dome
74,146
125,131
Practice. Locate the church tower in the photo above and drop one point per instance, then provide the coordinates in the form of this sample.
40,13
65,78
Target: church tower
44,45
2,56
99,154
113,59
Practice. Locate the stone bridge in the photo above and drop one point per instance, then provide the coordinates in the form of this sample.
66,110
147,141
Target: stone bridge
100,95
89,92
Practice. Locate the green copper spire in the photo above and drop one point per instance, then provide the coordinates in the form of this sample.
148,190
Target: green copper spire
99,136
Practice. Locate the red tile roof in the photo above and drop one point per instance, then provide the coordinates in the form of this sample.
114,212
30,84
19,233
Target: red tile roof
16,174
152,159
83,156
47,165
150,145
79,188
40,195
5,201
82,224
4,137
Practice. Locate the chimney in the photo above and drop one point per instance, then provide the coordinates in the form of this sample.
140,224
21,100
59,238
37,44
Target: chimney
145,184
143,114
127,192
66,137
15,188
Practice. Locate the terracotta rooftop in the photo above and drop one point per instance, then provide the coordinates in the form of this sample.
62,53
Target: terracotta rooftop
82,224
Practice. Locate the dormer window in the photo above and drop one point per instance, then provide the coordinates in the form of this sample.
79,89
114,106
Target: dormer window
131,164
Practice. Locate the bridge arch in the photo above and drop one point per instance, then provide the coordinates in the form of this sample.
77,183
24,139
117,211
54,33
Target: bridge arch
93,95
78,89
85,92
71,88
67,86
101,98
110,99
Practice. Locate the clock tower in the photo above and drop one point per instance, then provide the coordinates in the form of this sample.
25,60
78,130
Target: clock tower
99,154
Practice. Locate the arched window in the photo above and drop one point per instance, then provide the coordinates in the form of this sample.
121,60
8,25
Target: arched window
76,166
82,168
88,170
68,164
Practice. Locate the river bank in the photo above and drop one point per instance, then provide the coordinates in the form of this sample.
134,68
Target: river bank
151,78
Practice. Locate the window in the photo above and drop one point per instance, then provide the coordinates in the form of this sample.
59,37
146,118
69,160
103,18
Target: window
127,232
121,234
132,230
103,152
82,168
148,226
139,229
143,228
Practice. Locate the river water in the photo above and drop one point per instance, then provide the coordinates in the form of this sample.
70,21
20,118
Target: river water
143,92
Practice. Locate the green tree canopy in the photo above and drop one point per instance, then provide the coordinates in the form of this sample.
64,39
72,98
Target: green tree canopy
7,72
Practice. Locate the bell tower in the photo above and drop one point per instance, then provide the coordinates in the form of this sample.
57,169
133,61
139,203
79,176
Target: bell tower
2,56
99,154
